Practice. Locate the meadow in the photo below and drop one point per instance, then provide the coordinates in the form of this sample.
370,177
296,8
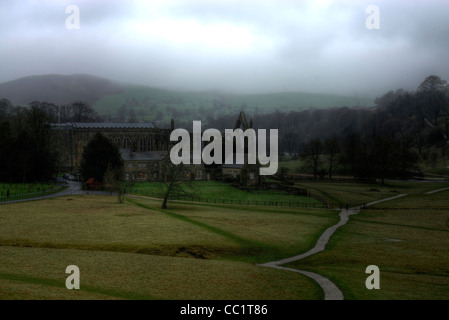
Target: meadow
355,194
134,250
22,188
218,192
406,238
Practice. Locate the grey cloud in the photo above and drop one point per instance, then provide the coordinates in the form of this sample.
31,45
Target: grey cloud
297,45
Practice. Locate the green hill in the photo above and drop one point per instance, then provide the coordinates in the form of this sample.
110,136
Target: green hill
144,103
58,89
121,102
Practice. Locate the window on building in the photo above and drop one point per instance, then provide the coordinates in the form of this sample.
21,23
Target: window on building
187,175
251,175
142,165
155,175
199,175
143,144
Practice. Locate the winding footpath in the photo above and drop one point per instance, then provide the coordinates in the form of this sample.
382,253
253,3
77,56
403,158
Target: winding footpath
331,291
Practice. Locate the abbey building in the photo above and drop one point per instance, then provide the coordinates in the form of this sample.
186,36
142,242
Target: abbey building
71,138
143,147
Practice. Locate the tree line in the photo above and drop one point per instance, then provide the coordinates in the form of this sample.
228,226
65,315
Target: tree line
386,140
28,152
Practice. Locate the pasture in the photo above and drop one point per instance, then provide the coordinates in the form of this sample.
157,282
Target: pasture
135,250
219,192
406,238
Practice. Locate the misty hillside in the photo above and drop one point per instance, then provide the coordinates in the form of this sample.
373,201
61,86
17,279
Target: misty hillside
121,102
139,103
58,89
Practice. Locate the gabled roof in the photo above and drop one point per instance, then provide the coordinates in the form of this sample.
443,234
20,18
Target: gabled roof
242,123
112,125
233,166
103,125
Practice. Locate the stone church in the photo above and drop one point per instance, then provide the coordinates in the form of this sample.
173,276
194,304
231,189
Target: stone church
143,147
71,138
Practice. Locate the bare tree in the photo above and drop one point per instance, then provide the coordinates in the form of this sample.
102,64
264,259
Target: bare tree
177,178
312,153
332,148
82,112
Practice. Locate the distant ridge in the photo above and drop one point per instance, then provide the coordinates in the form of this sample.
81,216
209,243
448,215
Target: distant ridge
58,89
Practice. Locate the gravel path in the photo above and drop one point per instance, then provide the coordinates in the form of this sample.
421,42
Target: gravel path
331,291
435,191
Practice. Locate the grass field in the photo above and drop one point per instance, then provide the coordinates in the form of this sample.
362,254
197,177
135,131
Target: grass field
213,190
359,193
134,250
409,246
22,188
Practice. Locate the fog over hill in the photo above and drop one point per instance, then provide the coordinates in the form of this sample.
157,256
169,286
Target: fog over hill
58,89
107,96
325,47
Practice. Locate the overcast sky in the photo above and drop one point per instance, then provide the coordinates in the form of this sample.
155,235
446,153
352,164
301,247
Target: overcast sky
231,45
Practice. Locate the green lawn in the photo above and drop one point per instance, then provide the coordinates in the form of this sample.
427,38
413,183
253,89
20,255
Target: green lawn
408,246
292,166
22,188
359,193
135,250
420,201
208,191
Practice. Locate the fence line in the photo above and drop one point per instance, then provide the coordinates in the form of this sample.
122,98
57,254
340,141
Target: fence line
270,203
24,197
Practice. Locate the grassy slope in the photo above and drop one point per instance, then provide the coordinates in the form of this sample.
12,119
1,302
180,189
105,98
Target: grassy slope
148,102
58,89
409,247
231,238
217,190
359,193
21,188
38,240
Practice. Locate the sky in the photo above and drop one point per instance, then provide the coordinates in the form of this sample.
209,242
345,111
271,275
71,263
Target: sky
246,46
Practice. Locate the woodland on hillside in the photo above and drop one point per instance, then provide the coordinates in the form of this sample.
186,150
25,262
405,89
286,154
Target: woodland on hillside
391,139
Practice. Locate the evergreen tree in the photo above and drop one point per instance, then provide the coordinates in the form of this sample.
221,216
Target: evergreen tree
98,154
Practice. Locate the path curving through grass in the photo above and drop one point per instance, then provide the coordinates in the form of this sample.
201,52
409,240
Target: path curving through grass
331,291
